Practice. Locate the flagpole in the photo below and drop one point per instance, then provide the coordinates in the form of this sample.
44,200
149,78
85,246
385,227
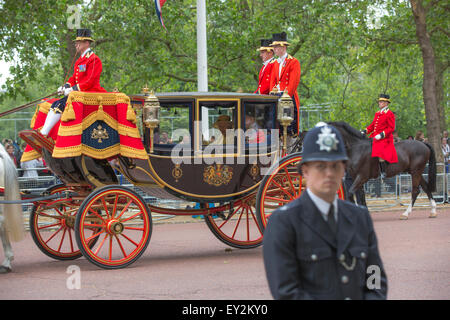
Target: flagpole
202,61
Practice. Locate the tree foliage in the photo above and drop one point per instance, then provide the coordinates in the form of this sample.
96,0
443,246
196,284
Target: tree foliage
350,51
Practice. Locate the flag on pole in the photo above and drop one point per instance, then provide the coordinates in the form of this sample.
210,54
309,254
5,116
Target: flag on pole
158,6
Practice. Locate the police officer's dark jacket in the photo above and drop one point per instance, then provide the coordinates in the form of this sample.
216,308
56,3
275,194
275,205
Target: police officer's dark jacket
304,260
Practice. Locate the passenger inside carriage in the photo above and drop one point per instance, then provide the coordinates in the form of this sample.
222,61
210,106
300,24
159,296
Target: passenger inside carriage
253,131
223,124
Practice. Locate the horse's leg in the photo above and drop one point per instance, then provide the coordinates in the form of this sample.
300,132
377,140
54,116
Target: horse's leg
414,193
9,256
361,197
424,186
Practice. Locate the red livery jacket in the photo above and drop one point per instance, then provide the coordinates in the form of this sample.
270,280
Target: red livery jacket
384,121
289,79
86,74
264,78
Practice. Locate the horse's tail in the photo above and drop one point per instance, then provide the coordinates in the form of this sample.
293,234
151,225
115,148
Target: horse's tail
432,171
12,212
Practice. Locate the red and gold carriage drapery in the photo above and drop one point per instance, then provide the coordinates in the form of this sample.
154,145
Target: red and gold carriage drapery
37,122
99,125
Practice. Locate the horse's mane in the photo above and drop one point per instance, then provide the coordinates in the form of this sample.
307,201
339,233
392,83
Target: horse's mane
348,131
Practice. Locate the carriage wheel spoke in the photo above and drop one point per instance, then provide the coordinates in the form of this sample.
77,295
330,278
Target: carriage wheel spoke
290,181
282,189
237,224
54,234
229,218
50,225
136,244
105,207
132,217
101,244
254,219
62,239
125,208
121,247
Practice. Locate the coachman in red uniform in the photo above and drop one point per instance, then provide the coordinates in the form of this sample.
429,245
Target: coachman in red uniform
381,129
86,77
266,54
286,75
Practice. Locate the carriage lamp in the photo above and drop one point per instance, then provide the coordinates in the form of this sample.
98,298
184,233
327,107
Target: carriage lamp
150,114
285,114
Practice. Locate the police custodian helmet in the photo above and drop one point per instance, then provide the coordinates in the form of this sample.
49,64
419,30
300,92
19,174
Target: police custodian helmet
323,143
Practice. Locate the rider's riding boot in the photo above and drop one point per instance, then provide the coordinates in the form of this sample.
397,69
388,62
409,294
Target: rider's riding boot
382,169
52,118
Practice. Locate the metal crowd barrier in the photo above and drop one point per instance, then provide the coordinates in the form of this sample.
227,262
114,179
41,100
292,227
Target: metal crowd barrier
41,183
396,191
380,194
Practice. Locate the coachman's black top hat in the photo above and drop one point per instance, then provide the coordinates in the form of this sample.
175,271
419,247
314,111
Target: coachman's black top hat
84,34
265,45
279,39
384,97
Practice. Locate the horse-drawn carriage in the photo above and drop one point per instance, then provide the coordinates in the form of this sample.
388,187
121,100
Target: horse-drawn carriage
220,150
227,152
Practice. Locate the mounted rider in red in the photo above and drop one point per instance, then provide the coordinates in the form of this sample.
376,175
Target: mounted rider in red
381,129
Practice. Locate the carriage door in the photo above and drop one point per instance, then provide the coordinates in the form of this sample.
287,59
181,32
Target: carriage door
259,123
216,126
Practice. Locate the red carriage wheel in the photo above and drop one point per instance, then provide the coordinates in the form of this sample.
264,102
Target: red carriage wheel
281,185
237,227
122,222
52,226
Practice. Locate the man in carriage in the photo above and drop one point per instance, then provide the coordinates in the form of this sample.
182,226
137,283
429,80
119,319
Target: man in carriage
381,129
266,54
86,77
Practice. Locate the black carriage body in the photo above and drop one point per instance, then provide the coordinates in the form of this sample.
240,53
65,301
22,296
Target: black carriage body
192,160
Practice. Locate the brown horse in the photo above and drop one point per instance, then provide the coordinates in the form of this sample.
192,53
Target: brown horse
413,157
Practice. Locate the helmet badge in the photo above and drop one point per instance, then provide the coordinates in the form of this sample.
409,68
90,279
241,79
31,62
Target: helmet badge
327,140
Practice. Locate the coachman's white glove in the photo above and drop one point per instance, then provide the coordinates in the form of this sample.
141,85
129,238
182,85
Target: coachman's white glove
379,136
67,91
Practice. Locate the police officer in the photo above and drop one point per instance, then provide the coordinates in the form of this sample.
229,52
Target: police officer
318,246
86,77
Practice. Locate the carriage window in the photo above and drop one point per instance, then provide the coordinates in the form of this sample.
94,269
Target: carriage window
216,118
259,119
174,124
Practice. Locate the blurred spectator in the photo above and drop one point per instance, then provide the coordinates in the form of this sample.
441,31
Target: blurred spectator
11,151
29,168
419,136
446,152
410,138
445,135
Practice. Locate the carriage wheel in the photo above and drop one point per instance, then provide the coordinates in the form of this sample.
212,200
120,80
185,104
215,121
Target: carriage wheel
123,225
52,228
281,185
237,227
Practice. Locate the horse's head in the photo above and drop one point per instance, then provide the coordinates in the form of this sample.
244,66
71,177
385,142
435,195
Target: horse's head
349,134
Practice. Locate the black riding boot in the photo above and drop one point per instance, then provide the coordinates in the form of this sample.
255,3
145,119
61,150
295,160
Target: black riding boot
382,169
